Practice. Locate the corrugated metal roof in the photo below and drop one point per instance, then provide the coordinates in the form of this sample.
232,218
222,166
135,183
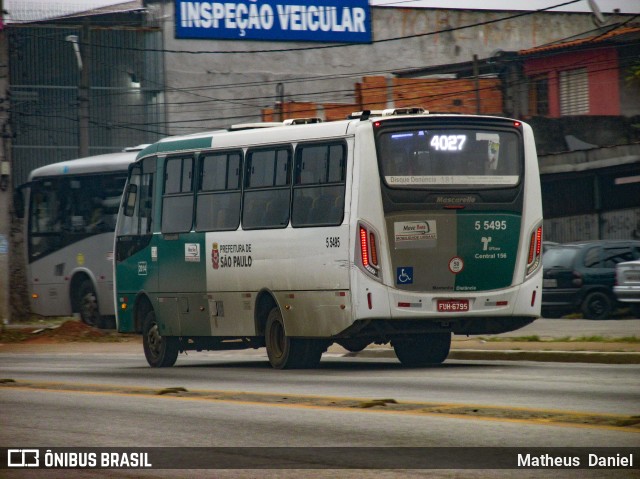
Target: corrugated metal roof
616,35
29,11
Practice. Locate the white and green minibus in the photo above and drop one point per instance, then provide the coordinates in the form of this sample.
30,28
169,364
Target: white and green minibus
394,226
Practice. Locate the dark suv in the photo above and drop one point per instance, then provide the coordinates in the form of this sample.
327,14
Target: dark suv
579,277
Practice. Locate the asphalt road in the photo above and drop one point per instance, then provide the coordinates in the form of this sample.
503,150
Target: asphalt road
598,388
105,399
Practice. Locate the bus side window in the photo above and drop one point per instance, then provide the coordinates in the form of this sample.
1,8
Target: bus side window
318,193
218,200
177,202
266,201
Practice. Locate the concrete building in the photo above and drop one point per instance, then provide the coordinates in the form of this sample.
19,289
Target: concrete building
215,82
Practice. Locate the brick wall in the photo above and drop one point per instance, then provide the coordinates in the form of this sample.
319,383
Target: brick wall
378,93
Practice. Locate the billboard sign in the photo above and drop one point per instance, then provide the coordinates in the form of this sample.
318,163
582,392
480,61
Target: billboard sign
341,21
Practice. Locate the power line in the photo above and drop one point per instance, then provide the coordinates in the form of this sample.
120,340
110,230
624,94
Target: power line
238,104
342,45
191,90
345,92
181,123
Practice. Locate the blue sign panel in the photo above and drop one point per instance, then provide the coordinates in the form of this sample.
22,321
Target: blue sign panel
404,275
342,21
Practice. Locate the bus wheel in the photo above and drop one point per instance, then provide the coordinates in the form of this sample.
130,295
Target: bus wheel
289,353
88,305
160,351
424,349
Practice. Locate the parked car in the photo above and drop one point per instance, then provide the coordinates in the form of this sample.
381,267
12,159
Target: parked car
579,277
627,288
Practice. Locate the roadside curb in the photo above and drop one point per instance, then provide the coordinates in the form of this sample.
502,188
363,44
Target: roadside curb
517,355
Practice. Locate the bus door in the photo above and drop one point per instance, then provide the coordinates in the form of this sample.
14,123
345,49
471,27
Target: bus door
182,301
135,240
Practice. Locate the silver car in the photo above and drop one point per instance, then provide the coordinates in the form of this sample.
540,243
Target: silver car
627,287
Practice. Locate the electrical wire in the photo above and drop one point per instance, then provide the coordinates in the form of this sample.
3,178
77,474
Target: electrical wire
240,104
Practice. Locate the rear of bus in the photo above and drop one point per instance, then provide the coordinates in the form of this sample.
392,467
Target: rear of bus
450,242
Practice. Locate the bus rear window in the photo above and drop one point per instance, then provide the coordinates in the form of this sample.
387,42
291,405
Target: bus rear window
460,157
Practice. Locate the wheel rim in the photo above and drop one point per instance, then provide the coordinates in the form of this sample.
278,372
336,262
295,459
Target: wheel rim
598,306
154,340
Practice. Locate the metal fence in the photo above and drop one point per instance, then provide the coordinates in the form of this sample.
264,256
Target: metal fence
126,91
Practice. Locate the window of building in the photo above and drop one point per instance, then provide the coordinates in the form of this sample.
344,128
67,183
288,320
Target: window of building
267,188
539,96
319,187
177,201
218,205
574,92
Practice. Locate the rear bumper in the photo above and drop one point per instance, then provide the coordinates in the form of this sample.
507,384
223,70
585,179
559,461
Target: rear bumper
560,298
626,294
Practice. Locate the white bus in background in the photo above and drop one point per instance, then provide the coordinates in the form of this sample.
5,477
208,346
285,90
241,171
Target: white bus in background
393,227
70,210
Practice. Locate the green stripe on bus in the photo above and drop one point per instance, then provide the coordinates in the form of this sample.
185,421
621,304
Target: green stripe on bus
190,144
176,146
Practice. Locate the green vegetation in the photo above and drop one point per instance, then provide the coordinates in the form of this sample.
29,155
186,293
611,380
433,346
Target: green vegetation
566,339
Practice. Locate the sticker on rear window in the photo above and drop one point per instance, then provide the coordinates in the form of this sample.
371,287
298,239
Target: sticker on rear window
415,234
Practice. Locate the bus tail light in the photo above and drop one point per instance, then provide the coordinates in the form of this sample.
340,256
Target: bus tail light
368,250
535,250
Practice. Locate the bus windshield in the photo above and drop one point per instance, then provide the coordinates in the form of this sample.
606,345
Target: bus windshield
452,157
66,209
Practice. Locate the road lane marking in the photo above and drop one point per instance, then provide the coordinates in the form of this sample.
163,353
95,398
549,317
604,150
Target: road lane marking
619,422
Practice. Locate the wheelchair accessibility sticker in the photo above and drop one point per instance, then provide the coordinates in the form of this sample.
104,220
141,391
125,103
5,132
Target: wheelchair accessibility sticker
404,275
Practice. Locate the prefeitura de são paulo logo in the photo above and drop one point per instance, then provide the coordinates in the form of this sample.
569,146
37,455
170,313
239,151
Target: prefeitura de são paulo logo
215,256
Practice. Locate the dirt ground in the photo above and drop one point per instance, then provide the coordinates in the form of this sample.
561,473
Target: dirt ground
64,332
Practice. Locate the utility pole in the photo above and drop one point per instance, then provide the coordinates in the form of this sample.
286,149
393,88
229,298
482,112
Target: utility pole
6,188
81,50
83,92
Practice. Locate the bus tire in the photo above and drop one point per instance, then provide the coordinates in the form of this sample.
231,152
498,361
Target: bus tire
422,350
88,305
160,351
285,352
